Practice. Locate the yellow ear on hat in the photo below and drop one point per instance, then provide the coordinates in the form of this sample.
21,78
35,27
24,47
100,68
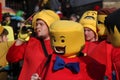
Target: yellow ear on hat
48,16
1,29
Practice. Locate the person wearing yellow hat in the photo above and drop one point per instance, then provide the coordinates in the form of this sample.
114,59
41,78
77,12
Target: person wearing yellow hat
4,46
113,31
104,52
89,22
33,49
1,29
67,61
3,34
102,13
104,48
92,46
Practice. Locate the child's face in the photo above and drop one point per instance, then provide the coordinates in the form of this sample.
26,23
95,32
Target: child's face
3,38
7,18
89,35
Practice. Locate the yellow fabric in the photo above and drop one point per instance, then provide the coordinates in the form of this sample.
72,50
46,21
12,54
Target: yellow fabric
89,20
4,46
11,33
8,23
101,27
48,16
1,29
24,37
68,35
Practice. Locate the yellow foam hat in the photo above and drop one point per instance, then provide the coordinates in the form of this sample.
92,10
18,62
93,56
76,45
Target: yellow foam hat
10,35
1,29
67,37
48,16
101,26
102,13
89,20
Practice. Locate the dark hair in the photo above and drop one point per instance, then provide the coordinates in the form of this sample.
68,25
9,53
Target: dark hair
112,20
76,16
5,32
6,14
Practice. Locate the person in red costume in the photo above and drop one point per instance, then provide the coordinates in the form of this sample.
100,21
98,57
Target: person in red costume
102,52
67,61
89,22
113,26
30,48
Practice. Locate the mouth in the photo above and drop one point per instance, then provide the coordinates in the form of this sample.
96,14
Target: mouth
89,17
38,30
59,50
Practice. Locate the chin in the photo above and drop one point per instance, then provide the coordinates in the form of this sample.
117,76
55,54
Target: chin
39,35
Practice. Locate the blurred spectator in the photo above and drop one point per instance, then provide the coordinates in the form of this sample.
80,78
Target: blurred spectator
66,8
19,16
3,34
4,46
55,5
74,17
7,21
60,14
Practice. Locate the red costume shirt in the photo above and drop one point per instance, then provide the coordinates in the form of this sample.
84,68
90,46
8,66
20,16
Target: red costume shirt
106,54
33,56
89,69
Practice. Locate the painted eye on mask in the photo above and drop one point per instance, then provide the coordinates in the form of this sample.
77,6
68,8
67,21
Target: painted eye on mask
54,40
62,40
99,22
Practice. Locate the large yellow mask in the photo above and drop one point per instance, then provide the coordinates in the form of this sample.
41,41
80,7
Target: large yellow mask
67,37
102,13
101,27
89,20
112,23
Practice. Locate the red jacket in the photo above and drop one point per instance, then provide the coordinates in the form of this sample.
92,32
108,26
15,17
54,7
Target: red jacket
33,56
116,61
105,53
90,69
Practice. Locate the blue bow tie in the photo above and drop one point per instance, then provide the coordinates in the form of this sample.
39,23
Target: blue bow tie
60,64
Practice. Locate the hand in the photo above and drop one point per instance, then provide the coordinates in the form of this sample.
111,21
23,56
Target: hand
25,33
35,77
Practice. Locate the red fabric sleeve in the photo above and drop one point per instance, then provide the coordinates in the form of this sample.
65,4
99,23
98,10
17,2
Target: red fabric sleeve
15,53
116,61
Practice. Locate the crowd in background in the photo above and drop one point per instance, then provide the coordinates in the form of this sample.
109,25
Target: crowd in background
32,36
